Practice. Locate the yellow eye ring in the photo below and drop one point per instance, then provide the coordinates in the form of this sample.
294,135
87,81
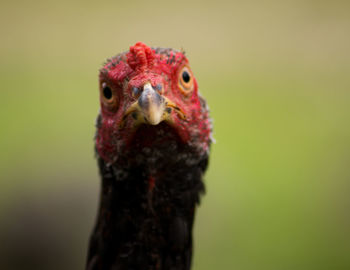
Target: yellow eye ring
186,83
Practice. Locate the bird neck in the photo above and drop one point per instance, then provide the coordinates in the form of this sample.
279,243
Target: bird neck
147,210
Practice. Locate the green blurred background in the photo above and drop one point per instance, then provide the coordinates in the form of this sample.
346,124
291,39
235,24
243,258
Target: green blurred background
277,78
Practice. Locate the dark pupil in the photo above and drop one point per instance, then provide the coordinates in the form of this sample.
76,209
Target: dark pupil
107,92
186,77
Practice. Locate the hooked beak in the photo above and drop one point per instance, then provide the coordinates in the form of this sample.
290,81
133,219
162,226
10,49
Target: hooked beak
152,108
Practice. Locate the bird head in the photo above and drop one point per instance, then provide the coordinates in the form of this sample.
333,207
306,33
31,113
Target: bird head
149,96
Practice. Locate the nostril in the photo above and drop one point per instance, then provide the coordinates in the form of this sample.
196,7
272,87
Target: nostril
136,91
159,87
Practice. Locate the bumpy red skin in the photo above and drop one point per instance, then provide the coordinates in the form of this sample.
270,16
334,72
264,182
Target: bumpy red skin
133,69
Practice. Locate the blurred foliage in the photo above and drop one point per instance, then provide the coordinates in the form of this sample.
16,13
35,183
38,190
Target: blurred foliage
276,77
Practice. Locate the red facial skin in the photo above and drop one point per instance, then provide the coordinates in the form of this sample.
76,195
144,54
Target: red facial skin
134,69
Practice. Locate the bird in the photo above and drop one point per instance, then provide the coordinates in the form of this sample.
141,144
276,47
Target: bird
152,145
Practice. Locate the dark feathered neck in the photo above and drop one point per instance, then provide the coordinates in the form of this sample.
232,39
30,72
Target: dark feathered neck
147,207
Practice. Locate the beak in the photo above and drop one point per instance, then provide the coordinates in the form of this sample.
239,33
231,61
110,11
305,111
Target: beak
152,108
152,105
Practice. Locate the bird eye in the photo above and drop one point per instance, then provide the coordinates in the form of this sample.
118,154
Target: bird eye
186,80
107,92
108,97
186,77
